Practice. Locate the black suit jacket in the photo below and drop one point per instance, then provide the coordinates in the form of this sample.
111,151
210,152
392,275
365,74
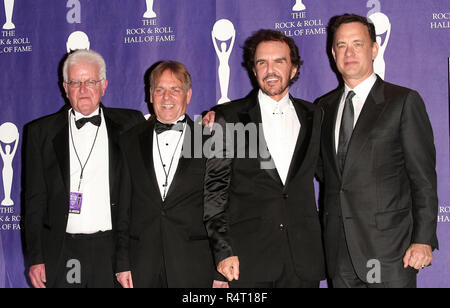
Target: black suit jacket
386,196
47,181
249,213
151,231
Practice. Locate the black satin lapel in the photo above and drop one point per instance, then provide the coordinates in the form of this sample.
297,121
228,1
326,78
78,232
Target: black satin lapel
146,144
113,130
370,113
254,116
304,136
184,161
62,151
266,161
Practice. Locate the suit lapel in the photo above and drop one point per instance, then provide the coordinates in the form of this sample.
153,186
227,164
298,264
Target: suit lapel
253,115
183,163
304,135
330,129
113,130
370,113
146,145
61,147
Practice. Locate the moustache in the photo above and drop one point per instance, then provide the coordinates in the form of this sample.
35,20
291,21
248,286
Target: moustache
271,76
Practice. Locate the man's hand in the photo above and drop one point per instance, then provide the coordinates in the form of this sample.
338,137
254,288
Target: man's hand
229,268
37,276
418,256
208,119
220,284
125,280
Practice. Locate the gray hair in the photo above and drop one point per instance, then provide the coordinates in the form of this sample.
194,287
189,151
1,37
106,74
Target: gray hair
86,56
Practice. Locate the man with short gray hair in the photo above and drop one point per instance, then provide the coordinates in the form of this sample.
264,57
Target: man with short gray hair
72,172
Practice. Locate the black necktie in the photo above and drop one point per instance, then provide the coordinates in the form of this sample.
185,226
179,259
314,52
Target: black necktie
162,127
96,120
346,130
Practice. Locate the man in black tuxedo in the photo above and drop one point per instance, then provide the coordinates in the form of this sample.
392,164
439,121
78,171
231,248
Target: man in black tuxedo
162,241
378,170
72,172
260,208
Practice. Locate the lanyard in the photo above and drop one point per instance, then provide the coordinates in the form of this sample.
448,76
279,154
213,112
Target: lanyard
166,173
76,152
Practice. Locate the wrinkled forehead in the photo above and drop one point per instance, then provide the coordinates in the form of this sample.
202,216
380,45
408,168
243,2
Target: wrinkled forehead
171,76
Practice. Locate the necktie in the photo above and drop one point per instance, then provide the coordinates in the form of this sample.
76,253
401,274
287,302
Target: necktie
346,130
96,120
163,127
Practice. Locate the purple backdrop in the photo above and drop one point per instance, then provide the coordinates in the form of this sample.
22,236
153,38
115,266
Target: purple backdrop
34,35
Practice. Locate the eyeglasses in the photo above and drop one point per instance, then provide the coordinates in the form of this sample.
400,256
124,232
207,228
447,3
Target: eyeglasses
88,83
175,91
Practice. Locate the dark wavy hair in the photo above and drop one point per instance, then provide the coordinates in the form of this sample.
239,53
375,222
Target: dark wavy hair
264,35
337,21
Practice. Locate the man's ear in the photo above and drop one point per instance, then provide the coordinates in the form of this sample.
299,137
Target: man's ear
189,96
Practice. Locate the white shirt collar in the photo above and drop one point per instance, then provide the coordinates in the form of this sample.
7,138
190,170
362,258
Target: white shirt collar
80,115
179,119
363,89
270,105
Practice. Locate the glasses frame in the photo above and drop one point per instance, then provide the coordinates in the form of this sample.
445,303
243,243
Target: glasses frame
75,84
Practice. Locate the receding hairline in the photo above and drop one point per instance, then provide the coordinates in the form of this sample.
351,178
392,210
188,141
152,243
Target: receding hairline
176,68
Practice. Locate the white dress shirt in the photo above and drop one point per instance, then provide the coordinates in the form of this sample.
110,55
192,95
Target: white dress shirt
281,127
95,213
361,93
170,145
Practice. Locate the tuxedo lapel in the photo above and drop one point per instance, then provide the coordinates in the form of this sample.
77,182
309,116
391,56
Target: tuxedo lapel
146,145
253,115
367,120
113,130
304,135
61,147
183,163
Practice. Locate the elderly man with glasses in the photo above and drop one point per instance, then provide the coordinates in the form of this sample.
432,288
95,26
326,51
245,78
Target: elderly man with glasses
72,172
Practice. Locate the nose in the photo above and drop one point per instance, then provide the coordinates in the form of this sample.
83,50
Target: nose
166,94
349,51
83,87
270,67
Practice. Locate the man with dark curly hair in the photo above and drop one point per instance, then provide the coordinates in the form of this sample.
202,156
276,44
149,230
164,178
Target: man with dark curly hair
260,209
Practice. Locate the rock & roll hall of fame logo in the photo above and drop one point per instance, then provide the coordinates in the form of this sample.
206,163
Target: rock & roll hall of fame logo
299,6
77,40
9,8
382,29
149,13
223,36
9,140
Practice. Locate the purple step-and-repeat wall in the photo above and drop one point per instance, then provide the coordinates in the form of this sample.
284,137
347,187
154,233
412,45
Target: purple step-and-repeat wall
207,36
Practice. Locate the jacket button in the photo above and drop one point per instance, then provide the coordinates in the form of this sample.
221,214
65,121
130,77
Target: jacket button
282,227
285,196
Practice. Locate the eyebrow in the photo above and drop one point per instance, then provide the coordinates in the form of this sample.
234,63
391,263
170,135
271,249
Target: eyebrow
345,42
281,59
277,59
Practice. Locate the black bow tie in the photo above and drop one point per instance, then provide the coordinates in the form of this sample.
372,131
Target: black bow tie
96,120
163,127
